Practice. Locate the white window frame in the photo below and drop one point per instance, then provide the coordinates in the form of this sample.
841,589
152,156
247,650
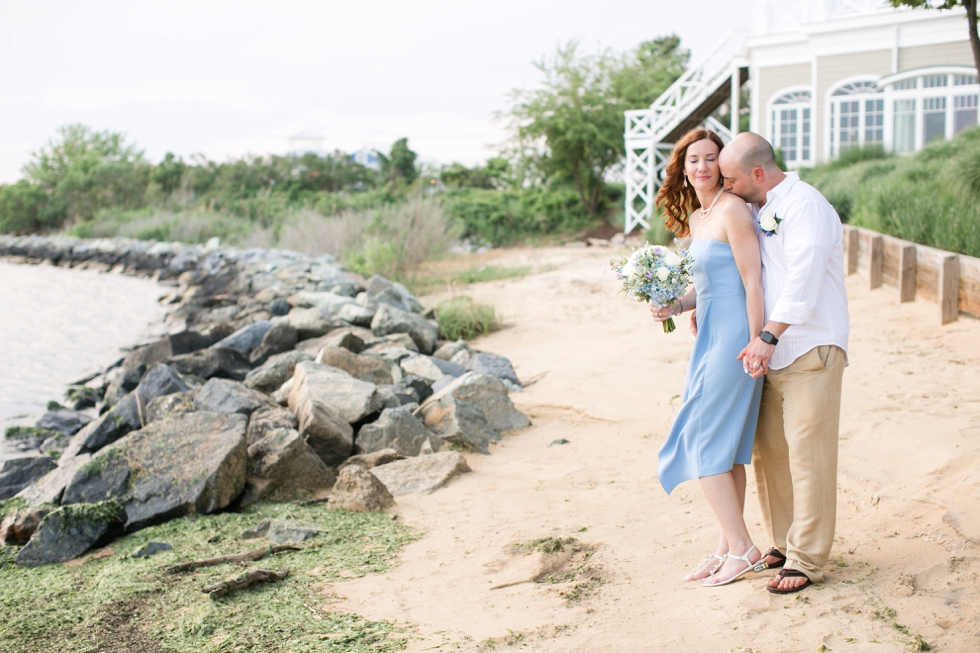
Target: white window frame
771,106
831,114
950,91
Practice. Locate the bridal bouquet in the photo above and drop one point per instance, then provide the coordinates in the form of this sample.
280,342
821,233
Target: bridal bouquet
655,274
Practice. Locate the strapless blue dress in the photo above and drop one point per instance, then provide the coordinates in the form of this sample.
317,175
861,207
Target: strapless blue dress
715,428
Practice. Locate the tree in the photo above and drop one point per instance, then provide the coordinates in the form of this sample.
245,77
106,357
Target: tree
571,126
400,163
971,19
169,173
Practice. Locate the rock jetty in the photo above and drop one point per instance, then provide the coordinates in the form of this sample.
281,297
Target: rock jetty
282,377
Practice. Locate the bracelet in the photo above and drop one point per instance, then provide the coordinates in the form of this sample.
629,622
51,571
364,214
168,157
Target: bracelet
681,302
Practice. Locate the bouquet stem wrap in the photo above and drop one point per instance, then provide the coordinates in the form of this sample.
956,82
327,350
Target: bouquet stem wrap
655,274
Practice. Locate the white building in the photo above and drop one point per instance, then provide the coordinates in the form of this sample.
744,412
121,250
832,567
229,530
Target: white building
823,75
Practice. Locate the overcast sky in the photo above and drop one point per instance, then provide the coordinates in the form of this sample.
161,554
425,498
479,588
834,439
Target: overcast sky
229,78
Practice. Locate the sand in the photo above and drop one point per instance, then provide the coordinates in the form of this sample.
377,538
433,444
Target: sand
905,562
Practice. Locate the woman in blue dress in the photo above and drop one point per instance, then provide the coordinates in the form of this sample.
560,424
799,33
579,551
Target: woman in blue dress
712,437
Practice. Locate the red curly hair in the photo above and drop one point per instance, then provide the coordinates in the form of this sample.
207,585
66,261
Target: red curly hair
676,200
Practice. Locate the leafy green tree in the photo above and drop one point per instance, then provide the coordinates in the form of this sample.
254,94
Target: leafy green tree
169,173
571,126
971,19
82,170
399,164
22,207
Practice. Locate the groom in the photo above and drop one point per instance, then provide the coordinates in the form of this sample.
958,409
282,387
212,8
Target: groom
802,353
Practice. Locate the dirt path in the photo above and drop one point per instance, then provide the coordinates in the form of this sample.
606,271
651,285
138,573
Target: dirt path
905,564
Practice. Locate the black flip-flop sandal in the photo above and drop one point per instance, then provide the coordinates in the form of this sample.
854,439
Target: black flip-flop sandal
790,573
774,552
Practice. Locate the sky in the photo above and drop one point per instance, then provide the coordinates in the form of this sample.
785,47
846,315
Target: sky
230,78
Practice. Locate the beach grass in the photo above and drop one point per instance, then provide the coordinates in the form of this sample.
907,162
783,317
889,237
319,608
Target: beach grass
122,603
462,317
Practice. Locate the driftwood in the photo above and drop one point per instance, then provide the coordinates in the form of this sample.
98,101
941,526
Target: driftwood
243,581
251,556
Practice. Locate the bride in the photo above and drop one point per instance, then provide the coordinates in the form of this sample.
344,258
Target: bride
712,437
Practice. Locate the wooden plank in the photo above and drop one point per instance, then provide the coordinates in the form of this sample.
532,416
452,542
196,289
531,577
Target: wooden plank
949,287
906,274
877,264
852,250
970,285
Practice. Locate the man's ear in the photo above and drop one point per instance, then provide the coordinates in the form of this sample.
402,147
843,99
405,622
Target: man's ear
758,175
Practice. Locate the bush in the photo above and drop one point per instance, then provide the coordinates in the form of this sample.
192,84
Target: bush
22,207
185,227
461,317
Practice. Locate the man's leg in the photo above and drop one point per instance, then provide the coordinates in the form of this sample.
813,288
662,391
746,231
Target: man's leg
811,391
770,463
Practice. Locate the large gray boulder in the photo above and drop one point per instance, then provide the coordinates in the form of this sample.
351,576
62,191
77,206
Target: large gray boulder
70,531
373,459
64,421
391,320
18,473
168,406
282,466
282,337
50,487
266,420
161,380
326,302
352,400
192,463
109,427
397,429
310,322
459,422
19,526
245,339
356,315
422,474
450,349
358,490
212,362
349,339
227,396
277,370
489,394
365,368
327,433
493,365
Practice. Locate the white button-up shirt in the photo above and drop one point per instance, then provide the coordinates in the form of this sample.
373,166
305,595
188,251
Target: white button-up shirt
803,270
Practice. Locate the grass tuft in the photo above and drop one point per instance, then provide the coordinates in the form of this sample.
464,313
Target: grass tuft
461,317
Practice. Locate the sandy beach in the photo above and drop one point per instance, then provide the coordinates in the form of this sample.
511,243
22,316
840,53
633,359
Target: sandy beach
905,565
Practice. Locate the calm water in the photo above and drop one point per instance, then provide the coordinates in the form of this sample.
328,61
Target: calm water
57,324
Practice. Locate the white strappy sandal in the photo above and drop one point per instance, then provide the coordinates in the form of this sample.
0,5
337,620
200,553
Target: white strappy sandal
756,566
705,560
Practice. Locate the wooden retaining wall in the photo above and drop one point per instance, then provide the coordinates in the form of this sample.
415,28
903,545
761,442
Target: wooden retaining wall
952,281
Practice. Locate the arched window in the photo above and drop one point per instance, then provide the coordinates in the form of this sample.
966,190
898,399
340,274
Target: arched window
791,126
857,116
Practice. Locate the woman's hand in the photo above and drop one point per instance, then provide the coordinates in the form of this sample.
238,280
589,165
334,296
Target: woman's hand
694,323
664,313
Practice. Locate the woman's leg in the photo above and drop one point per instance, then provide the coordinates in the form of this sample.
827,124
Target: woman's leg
726,495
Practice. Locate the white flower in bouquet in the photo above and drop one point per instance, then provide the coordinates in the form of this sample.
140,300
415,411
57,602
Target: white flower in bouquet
663,273
671,259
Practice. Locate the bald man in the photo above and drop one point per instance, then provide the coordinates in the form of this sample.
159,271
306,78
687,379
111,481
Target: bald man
802,353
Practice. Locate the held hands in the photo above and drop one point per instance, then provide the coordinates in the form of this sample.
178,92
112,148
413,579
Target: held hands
755,357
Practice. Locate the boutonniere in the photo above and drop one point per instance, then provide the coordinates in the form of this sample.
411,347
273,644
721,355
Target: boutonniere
768,222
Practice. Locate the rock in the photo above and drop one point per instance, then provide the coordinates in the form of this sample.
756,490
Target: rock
276,371
121,383
392,340
391,320
364,368
450,349
227,396
281,396
558,441
283,466
444,382
423,367
373,459
161,380
18,473
421,475
70,531
245,339
416,384
104,477
82,397
348,339
461,357
50,487
459,422
394,396
222,315
320,422
352,400
148,355
490,395
278,307
20,526
397,429
212,363
327,302
280,338
356,315
167,406
391,355
266,420
150,548
64,421
192,463
493,365
280,531
310,322
55,445
358,490
107,428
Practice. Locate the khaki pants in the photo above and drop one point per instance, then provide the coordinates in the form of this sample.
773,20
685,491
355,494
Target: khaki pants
795,457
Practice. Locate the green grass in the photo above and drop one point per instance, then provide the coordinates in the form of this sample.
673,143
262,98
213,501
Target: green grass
123,604
23,432
490,273
461,317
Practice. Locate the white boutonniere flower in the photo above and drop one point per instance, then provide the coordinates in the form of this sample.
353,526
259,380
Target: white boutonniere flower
768,222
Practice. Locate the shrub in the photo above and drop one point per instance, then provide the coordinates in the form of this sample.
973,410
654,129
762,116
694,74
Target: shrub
461,317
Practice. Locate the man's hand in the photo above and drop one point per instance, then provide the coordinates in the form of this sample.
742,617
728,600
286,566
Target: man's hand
755,357
694,322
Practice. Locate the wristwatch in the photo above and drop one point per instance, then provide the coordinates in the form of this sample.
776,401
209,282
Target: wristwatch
768,338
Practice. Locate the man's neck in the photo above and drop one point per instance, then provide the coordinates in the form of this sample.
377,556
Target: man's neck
773,179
